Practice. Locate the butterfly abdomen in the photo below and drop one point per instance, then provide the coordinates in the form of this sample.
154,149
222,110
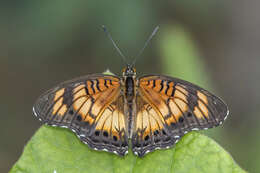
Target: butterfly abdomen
129,89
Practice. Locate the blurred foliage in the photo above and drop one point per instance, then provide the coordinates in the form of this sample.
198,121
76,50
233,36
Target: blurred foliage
180,57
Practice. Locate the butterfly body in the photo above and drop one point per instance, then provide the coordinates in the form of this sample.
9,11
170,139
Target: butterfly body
151,112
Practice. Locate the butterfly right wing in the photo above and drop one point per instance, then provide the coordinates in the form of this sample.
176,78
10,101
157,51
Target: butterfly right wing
92,107
167,108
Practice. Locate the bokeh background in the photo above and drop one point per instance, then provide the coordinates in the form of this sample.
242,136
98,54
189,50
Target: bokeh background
215,44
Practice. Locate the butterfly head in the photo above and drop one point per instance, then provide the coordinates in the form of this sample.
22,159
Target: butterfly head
129,71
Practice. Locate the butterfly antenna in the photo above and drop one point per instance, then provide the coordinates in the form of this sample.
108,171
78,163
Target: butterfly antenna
146,43
110,37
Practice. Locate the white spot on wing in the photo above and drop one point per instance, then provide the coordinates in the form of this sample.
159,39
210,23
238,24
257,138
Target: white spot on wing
147,151
225,117
227,112
34,112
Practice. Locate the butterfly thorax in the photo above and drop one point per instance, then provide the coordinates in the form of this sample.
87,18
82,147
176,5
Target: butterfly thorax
129,75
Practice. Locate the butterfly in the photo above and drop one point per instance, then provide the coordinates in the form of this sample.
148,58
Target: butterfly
111,113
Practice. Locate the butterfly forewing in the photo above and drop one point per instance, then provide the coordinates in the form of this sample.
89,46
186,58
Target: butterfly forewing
170,108
92,106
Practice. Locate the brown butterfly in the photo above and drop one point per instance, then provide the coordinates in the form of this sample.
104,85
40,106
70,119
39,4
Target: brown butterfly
151,112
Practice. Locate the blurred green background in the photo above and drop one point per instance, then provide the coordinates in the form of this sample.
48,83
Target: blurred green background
214,44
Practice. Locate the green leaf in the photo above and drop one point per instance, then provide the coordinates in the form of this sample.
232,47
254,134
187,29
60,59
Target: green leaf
56,149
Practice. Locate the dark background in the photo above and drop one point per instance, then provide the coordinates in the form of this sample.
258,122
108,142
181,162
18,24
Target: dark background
44,43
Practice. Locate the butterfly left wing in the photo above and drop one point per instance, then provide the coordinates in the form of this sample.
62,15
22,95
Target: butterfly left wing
92,107
167,108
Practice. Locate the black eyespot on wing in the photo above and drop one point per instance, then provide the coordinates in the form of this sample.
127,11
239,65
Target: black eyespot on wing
114,138
97,133
105,133
79,118
146,138
181,119
156,132
173,124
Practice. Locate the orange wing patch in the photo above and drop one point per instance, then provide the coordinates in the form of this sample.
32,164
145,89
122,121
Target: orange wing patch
175,111
58,94
198,113
201,111
168,100
59,108
148,120
203,97
81,100
111,122
170,89
91,99
180,93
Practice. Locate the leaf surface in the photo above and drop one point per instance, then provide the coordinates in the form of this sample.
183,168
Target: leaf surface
58,150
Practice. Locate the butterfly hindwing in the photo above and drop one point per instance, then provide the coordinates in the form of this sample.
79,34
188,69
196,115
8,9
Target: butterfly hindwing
92,107
149,131
176,104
